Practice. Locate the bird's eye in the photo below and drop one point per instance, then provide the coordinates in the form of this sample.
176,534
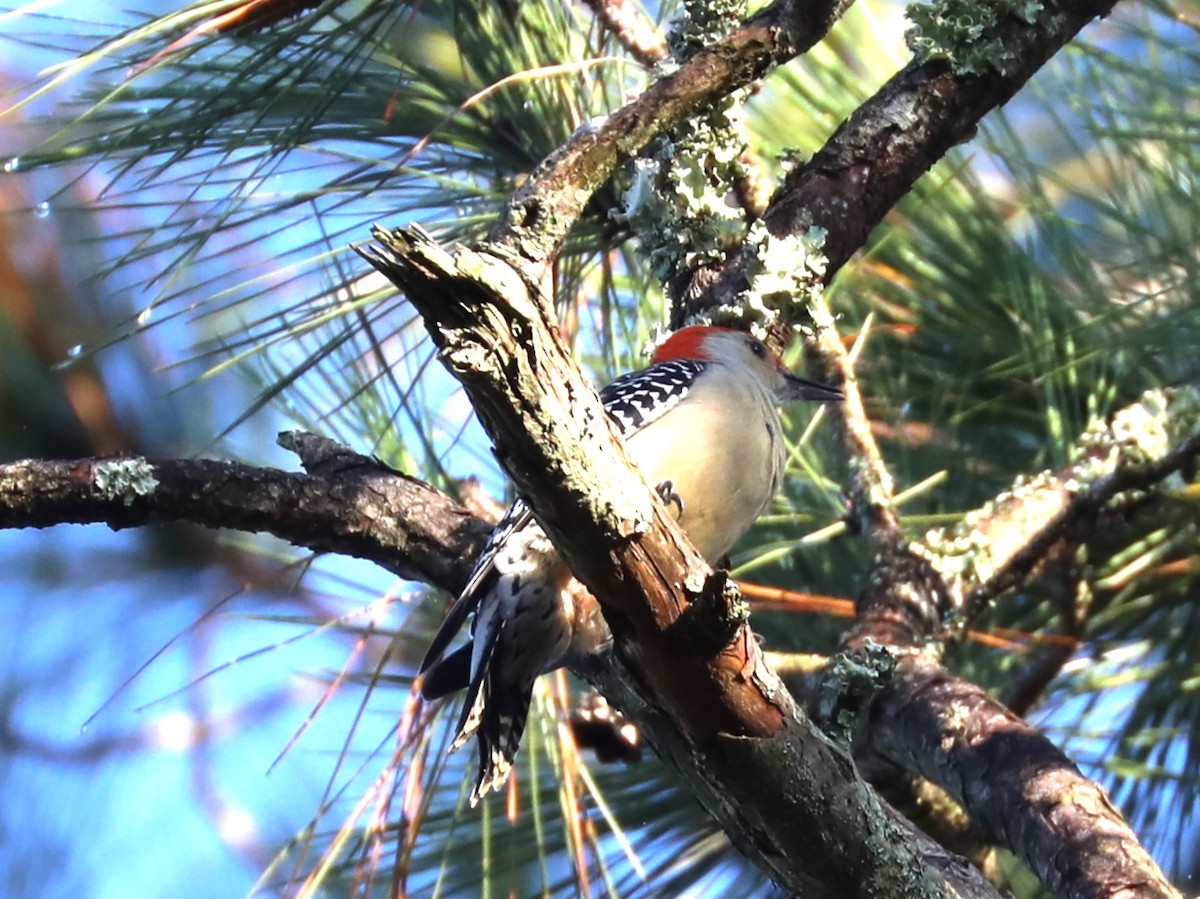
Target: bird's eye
757,348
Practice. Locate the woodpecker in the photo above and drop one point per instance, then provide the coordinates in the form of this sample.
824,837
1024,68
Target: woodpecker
702,424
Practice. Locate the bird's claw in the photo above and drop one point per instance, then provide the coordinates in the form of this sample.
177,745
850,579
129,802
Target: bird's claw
666,492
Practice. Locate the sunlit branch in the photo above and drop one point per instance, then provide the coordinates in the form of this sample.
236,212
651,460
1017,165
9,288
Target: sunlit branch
349,503
1014,535
633,29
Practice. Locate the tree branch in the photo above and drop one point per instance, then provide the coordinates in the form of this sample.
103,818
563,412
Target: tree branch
347,504
1016,785
539,215
633,29
877,154
1145,443
906,600
1010,779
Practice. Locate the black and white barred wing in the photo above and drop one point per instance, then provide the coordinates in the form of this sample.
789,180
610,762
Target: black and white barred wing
641,397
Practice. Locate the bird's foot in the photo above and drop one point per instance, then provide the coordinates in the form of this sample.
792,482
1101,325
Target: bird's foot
666,492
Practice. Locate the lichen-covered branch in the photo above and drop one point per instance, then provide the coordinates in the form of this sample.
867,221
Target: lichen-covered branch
877,154
1015,784
349,503
1116,463
346,503
539,215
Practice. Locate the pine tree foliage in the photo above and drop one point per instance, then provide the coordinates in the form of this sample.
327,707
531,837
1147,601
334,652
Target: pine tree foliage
1039,278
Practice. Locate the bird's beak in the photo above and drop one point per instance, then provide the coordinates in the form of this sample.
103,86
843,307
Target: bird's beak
803,389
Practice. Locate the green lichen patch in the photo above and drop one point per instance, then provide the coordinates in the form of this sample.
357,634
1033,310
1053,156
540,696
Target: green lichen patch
849,685
125,479
701,24
785,275
963,32
1141,433
679,198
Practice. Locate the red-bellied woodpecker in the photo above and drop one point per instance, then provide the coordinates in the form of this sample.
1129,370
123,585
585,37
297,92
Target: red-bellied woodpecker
702,424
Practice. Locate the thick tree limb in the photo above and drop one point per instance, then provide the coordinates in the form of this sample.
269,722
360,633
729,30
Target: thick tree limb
351,504
877,154
1017,786
347,504
766,774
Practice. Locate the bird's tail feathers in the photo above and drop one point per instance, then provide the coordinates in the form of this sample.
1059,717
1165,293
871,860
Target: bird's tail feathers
478,691
494,712
472,715
496,718
498,732
466,603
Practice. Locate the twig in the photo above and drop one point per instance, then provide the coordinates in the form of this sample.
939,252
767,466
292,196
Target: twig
869,483
632,28
1025,688
905,601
